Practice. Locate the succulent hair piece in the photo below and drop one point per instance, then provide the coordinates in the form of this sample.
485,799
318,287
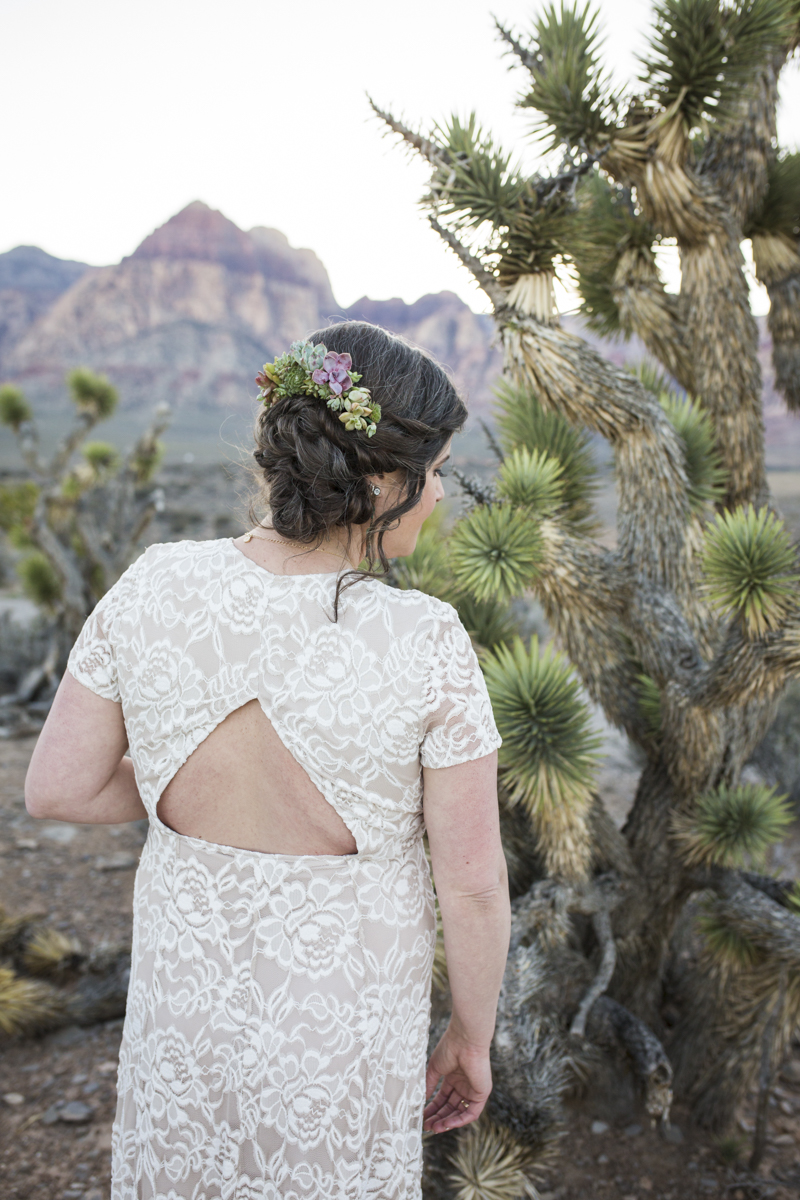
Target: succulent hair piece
308,369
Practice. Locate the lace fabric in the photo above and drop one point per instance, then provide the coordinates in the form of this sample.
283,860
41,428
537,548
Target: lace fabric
274,1044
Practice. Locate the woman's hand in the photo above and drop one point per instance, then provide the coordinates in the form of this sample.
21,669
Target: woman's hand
466,1081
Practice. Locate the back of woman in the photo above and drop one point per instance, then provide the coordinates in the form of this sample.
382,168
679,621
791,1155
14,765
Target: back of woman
281,711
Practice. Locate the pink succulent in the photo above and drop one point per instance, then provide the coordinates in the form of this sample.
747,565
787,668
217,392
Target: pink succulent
334,372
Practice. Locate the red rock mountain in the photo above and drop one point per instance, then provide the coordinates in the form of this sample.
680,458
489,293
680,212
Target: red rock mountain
192,314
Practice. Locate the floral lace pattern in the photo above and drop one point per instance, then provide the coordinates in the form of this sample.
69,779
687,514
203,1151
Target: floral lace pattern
274,1042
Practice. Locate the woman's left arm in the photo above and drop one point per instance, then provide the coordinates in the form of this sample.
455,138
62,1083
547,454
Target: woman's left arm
78,771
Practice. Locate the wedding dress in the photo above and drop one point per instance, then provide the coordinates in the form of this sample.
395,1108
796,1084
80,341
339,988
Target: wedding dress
275,1038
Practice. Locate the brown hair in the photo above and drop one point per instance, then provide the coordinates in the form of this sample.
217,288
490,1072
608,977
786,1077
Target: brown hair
314,471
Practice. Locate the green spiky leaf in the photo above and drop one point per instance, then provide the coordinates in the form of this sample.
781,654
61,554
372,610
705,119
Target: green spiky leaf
522,421
750,567
732,825
570,90
704,52
549,751
494,552
14,408
608,224
91,393
779,214
702,460
532,480
728,947
487,621
478,184
40,582
650,703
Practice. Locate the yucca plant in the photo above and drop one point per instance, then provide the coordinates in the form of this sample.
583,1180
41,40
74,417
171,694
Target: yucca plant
688,631
78,516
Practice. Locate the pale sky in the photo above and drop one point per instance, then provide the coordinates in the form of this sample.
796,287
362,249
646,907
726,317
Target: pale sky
117,113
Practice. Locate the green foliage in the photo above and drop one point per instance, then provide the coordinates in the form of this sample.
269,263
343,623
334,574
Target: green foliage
102,457
750,567
729,1149
704,52
17,503
494,552
532,480
489,622
92,394
650,703
39,579
478,183
727,946
780,212
549,749
428,568
14,408
702,460
570,90
732,825
522,421
607,225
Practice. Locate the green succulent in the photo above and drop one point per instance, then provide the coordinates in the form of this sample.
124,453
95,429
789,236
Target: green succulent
732,825
728,947
40,582
650,703
494,552
92,394
703,462
549,751
531,479
750,567
487,621
14,408
101,456
522,422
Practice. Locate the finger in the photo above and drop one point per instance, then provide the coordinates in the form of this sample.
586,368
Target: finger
432,1077
441,1098
455,1105
457,1119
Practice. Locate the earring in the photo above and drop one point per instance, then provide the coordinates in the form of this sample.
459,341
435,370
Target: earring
376,491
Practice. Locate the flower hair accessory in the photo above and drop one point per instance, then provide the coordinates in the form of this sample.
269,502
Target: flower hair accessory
314,370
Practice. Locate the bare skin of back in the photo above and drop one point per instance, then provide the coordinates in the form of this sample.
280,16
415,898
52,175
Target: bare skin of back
241,787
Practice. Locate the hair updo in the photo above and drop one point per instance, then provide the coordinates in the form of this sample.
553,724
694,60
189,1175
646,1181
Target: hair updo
315,471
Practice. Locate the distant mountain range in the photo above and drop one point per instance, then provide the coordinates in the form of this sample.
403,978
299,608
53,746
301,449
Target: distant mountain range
191,315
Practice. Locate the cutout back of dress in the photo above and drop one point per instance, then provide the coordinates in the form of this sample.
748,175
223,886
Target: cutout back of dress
241,787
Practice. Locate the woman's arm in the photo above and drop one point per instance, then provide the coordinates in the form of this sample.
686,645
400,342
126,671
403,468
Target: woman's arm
469,870
78,772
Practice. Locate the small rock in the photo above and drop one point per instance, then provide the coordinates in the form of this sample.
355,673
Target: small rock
27,844
599,1127
70,1035
602,1158
672,1134
646,1184
76,1113
60,832
93,1194
787,1107
76,1079
52,1114
13,1099
92,1087
633,1130
115,862
784,1139
106,1068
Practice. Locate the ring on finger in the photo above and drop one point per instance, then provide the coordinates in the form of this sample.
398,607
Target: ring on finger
463,1103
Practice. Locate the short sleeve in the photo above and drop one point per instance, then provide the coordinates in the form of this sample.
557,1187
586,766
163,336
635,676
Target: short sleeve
460,725
93,659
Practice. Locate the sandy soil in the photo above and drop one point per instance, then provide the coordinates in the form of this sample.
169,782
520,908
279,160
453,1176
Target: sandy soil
62,871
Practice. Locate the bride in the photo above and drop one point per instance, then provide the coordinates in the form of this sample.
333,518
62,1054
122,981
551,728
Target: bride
292,727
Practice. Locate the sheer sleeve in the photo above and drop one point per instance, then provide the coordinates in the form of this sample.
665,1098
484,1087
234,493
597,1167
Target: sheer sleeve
460,725
93,660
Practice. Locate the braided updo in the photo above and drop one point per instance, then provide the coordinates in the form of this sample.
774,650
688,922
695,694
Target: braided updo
315,471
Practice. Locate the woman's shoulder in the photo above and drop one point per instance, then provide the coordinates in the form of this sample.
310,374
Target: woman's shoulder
411,606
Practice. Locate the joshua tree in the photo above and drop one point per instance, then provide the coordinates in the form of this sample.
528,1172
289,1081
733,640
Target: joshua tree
79,514
688,632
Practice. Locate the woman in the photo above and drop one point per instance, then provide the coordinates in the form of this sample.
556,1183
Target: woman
294,726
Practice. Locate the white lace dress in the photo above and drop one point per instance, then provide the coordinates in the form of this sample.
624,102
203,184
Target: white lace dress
275,1037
